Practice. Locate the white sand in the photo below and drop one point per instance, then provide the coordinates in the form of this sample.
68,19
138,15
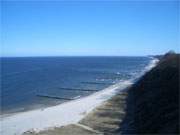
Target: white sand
60,115
56,116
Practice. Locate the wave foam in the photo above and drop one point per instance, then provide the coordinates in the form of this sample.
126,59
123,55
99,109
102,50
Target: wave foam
147,68
152,64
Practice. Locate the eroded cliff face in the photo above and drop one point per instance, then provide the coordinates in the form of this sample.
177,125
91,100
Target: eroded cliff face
153,102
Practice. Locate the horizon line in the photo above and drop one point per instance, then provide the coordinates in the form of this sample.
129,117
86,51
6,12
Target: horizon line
80,56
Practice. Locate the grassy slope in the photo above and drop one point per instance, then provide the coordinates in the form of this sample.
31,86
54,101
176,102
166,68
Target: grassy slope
153,102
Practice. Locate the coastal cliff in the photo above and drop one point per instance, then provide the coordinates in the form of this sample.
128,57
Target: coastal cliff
153,102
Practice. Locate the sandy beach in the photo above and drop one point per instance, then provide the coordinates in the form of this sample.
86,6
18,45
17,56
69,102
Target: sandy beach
60,115
105,119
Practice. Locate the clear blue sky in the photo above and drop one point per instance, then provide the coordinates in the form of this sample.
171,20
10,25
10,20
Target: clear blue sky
89,28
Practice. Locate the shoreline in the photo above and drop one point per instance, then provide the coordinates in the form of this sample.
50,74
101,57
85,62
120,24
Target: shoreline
8,113
71,112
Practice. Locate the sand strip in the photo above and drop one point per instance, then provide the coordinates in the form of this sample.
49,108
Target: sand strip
104,119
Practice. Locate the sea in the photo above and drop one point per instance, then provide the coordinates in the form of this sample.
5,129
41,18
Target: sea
28,83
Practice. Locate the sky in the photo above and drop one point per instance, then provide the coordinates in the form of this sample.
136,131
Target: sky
81,28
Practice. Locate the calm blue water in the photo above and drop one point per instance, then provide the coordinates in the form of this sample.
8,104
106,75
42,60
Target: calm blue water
25,78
